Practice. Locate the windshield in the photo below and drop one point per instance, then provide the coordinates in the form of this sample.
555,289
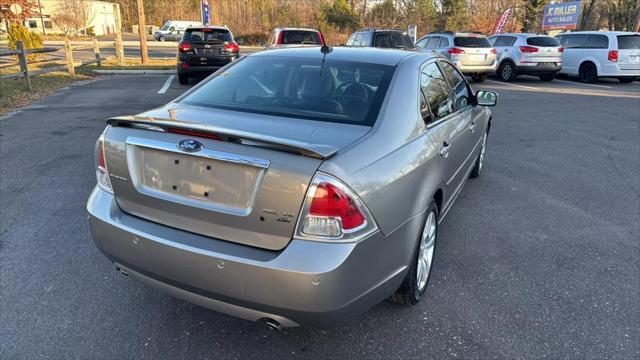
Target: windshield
472,41
392,40
300,37
338,91
164,28
626,42
208,35
543,41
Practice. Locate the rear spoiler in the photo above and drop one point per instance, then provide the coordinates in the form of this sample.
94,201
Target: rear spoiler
317,151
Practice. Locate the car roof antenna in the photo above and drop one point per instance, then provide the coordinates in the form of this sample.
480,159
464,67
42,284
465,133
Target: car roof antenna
325,49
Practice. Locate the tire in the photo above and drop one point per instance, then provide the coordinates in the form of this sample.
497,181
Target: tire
626,80
477,169
183,79
547,77
478,78
588,72
414,285
507,71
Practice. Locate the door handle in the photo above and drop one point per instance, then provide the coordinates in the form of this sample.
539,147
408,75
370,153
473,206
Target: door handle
444,150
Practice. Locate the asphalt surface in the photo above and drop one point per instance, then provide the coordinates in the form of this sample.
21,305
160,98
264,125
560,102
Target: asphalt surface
539,257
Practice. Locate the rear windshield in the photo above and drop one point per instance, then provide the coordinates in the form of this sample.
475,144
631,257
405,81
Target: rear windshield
543,41
479,42
207,35
396,40
338,91
300,37
629,42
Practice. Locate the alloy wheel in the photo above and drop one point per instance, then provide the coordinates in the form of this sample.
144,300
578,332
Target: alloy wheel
426,251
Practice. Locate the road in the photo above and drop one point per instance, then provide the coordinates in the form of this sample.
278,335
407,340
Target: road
539,257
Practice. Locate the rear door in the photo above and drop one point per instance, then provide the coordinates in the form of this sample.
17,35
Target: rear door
629,52
504,47
447,130
573,49
597,46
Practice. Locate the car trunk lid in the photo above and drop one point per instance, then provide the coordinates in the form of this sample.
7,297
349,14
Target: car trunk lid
246,184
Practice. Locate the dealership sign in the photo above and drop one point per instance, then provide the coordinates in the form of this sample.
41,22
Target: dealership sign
564,16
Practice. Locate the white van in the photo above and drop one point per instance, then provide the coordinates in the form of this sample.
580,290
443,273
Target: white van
172,30
594,54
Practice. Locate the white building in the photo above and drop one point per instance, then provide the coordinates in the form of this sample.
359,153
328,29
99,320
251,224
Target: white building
85,15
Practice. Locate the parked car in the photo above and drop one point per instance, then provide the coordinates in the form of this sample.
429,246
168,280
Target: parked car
594,54
472,53
172,30
527,54
381,38
296,186
205,49
294,37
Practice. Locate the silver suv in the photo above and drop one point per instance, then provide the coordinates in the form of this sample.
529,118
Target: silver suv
472,53
527,54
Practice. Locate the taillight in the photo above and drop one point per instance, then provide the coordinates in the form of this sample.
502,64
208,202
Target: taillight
455,51
231,48
332,211
613,55
494,51
560,49
528,49
184,47
102,174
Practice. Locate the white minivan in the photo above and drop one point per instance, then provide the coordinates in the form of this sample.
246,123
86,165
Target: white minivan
594,54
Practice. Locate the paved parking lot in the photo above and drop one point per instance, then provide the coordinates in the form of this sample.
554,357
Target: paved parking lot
538,258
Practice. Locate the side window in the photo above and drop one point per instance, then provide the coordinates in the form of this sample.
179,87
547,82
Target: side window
597,42
458,84
366,39
433,42
492,40
505,41
422,43
434,94
351,40
444,42
574,41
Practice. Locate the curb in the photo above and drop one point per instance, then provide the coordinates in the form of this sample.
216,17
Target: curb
134,71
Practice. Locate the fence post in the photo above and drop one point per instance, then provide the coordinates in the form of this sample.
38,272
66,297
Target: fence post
22,59
96,51
69,54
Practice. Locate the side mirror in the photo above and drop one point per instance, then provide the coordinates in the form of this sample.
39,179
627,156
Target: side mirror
486,98
240,41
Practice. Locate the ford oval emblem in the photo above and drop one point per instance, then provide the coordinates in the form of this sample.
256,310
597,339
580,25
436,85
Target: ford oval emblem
189,145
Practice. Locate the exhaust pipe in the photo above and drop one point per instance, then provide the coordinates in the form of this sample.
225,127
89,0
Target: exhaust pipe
272,324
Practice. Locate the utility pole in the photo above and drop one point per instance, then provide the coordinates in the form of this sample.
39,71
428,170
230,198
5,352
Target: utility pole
44,32
144,54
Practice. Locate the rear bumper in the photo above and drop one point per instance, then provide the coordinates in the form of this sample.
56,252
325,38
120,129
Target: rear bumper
307,283
538,68
477,69
613,70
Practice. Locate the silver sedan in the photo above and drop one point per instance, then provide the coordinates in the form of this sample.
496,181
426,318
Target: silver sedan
292,187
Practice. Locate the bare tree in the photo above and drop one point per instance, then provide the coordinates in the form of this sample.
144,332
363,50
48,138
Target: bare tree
73,16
